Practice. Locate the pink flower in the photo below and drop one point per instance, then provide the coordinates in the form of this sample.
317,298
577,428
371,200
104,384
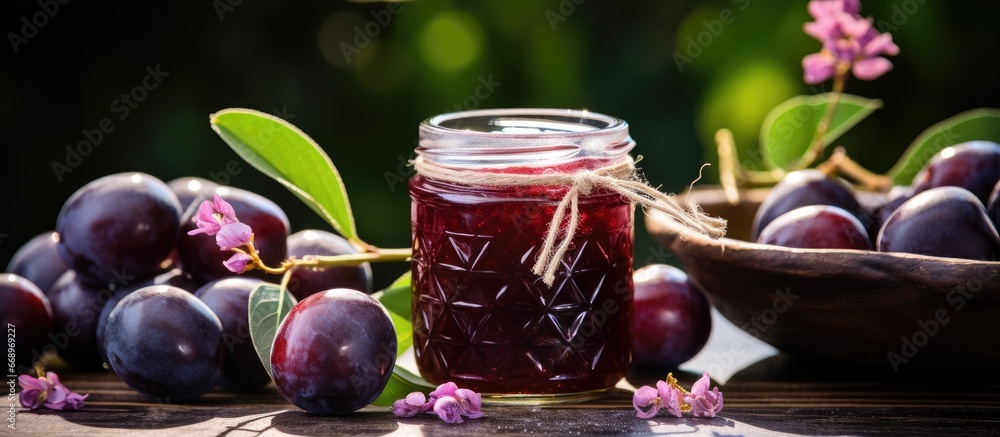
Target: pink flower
448,409
646,396
448,401
212,216
670,396
237,263
410,406
704,403
48,392
234,235
848,40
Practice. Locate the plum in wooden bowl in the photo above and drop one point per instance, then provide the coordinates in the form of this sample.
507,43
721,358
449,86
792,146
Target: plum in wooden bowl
884,309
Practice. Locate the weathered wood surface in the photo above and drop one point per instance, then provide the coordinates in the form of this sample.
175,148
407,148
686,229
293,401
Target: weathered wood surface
775,396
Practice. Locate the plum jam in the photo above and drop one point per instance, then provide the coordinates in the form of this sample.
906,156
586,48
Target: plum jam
481,317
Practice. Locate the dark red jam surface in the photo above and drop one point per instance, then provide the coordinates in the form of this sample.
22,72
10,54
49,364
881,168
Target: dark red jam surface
482,319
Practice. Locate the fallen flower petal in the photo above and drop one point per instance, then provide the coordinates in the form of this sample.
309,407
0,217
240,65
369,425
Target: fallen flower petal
704,403
470,403
646,396
410,406
47,392
448,401
448,409
671,397
446,389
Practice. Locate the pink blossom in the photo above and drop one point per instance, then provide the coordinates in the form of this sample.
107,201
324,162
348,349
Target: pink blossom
212,216
671,397
448,409
848,39
704,403
646,396
234,235
48,392
238,262
448,401
410,406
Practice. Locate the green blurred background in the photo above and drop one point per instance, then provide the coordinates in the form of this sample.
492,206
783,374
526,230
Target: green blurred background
361,98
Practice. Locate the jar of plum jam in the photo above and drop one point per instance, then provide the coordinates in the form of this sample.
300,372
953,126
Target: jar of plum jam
481,317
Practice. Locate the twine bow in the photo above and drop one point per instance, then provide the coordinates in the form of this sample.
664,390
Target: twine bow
620,178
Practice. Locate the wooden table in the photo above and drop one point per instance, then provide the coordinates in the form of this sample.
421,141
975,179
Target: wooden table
774,396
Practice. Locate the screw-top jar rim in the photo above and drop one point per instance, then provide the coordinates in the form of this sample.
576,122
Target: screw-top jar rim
522,136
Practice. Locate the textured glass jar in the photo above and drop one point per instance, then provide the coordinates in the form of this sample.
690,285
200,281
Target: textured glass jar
481,318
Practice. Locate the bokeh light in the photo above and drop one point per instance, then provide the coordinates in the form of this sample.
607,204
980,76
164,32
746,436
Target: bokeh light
451,41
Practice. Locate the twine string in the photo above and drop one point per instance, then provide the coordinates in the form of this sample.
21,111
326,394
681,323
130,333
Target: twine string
620,178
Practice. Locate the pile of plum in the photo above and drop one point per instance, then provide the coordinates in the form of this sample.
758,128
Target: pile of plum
951,210
120,284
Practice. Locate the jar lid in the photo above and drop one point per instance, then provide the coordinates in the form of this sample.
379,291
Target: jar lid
522,136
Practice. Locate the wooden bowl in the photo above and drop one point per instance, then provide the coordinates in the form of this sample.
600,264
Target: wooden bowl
884,309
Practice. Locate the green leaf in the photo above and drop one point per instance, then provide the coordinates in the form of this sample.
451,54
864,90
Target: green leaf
396,297
977,124
788,130
268,306
404,333
287,155
401,383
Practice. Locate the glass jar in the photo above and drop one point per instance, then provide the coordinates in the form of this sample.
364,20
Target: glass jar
481,317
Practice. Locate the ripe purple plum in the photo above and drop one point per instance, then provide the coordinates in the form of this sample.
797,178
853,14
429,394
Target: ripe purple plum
943,221
803,188
816,227
121,224
896,196
993,206
188,189
671,319
175,278
229,299
39,261
76,305
307,281
334,352
26,310
200,255
973,165
165,343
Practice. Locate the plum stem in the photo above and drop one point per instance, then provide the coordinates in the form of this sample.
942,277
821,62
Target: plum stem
348,260
817,146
